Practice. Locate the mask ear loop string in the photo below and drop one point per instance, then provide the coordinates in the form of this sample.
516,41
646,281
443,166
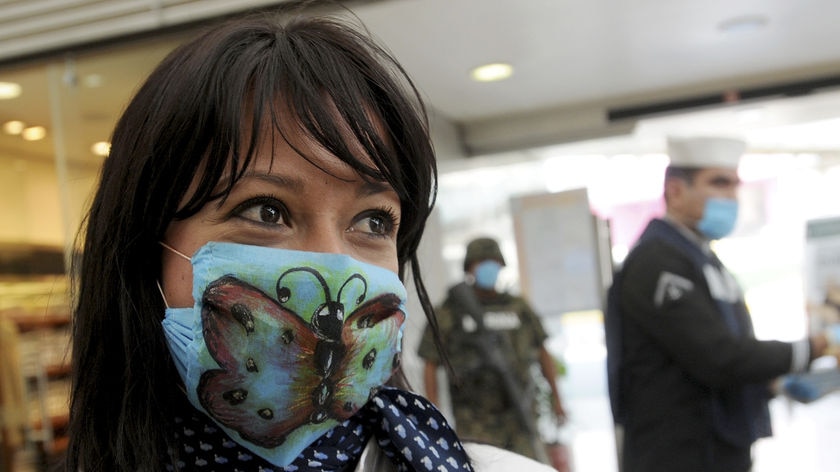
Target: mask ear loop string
180,383
160,289
167,246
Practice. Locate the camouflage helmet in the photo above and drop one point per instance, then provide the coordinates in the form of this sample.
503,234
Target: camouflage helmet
482,249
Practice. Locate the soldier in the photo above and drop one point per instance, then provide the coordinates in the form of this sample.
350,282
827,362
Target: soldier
491,341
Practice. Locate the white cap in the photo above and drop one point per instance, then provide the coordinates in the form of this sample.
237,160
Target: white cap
706,152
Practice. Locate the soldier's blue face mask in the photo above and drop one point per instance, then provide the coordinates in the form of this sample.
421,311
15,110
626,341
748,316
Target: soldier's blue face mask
486,273
719,217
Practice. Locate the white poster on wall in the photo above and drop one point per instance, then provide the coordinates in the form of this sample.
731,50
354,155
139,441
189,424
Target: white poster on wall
822,272
558,248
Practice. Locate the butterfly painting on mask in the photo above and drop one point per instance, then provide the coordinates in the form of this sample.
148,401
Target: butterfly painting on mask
278,372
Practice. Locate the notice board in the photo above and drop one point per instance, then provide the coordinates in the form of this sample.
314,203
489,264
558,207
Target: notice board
822,273
559,245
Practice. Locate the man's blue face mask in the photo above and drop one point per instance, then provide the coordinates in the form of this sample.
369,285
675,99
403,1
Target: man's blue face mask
486,274
719,217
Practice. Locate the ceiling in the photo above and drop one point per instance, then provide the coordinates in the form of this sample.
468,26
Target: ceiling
604,75
575,61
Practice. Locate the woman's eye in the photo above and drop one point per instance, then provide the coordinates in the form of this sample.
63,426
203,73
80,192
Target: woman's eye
265,212
379,224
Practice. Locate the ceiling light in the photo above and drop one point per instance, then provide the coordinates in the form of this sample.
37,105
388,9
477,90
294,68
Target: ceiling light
34,133
492,72
13,127
102,148
9,90
743,24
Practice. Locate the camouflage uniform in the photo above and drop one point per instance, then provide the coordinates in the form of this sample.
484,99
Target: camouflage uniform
482,408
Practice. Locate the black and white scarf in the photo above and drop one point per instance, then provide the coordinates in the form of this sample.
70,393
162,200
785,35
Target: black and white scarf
407,427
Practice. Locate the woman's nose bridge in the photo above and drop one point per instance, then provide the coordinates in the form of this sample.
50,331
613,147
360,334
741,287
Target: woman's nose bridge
324,237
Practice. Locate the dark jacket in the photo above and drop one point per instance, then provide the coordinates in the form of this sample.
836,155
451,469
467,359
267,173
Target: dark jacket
688,380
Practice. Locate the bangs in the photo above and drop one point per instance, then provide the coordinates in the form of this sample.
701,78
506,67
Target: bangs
335,92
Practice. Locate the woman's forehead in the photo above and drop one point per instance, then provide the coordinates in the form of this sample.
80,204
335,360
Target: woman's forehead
285,144
310,127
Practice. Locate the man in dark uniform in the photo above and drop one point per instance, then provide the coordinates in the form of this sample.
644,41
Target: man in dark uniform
492,340
689,383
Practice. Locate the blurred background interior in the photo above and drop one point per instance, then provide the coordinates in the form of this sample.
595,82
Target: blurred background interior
556,149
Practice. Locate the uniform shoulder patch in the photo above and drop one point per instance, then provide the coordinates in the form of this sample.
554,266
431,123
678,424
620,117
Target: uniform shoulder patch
671,287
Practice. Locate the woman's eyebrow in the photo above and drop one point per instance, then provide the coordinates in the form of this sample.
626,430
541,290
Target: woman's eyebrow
278,180
368,187
373,187
273,179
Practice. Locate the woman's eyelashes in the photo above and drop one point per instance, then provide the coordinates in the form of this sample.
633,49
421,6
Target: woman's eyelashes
263,210
381,223
269,211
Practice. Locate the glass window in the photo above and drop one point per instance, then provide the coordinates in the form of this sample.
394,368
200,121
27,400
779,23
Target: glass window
56,118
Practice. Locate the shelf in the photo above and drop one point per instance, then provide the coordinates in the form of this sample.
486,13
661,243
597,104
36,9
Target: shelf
58,371
42,336
26,323
58,422
35,316
60,444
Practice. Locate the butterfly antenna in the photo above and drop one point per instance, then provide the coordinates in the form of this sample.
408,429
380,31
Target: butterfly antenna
283,292
364,291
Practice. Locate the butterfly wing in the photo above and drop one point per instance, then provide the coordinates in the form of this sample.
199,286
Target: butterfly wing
258,345
371,337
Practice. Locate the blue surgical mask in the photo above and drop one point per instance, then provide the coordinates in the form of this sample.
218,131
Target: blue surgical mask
281,345
719,217
486,273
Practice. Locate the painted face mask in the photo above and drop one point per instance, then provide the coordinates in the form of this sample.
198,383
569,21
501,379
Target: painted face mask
281,345
719,217
486,274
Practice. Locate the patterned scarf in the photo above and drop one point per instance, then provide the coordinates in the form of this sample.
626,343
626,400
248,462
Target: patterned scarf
407,427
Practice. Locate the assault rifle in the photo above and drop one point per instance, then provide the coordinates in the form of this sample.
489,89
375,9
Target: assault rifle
487,344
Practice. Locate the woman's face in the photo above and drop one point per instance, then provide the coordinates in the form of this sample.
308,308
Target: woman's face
290,203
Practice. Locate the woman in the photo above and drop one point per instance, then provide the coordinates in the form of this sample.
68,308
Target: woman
239,300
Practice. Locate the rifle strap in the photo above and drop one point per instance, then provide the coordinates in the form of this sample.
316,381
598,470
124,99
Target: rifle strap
466,300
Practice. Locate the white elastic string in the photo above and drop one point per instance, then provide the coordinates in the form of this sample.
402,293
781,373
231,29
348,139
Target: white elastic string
188,258
161,294
158,281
